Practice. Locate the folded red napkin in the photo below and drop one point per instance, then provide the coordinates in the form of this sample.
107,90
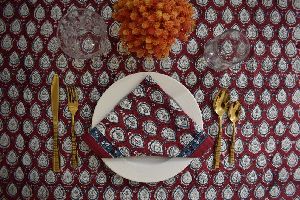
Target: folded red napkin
148,122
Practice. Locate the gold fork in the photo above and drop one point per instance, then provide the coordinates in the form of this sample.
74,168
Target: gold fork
234,116
73,107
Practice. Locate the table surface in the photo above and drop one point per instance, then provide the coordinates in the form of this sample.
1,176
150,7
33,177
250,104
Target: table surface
267,84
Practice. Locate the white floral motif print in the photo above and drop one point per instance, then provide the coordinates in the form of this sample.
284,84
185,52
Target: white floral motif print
144,109
113,117
163,115
136,141
117,134
150,127
182,122
157,97
169,134
125,103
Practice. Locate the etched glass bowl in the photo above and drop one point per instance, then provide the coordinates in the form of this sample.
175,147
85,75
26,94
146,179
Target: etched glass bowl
82,34
228,49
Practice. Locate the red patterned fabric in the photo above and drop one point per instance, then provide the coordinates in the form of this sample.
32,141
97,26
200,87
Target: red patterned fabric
148,122
267,85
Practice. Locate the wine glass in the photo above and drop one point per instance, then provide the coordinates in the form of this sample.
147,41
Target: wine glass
82,33
227,49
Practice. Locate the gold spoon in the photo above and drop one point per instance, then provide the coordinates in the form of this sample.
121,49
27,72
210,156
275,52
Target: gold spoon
220,105
234,116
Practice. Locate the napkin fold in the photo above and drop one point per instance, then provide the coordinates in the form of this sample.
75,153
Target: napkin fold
147,122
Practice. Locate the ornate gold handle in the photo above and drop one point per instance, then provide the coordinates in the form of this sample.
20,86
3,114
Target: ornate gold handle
56,163
218,146
231,154
74,159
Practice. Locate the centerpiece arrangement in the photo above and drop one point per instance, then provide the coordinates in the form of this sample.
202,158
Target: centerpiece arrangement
150,27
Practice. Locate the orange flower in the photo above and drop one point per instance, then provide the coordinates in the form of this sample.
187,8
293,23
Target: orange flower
145,24
149,46
142,9
166,16
160,5
159,14
133,16
158,32
150,27
151,31
148,40
152,18
156,25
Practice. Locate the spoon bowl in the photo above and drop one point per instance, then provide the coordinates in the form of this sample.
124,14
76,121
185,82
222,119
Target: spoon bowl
221,102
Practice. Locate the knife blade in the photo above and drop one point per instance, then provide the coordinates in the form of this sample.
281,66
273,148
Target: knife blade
54,108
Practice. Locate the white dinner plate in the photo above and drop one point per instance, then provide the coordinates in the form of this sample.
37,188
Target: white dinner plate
147,169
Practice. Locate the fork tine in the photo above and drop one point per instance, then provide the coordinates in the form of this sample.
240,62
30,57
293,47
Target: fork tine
68,93
71,94
75,94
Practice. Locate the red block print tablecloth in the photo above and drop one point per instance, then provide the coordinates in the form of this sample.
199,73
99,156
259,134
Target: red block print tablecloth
268,135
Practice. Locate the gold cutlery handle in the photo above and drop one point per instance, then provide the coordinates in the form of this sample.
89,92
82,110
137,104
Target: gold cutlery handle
56,163
231,154
74,158
218,146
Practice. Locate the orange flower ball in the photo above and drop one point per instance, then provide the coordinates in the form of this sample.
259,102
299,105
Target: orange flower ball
150,27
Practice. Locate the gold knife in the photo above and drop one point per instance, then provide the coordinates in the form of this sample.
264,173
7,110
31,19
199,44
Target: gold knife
54,107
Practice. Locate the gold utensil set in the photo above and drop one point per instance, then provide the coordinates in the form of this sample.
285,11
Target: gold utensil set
73,107
221,105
